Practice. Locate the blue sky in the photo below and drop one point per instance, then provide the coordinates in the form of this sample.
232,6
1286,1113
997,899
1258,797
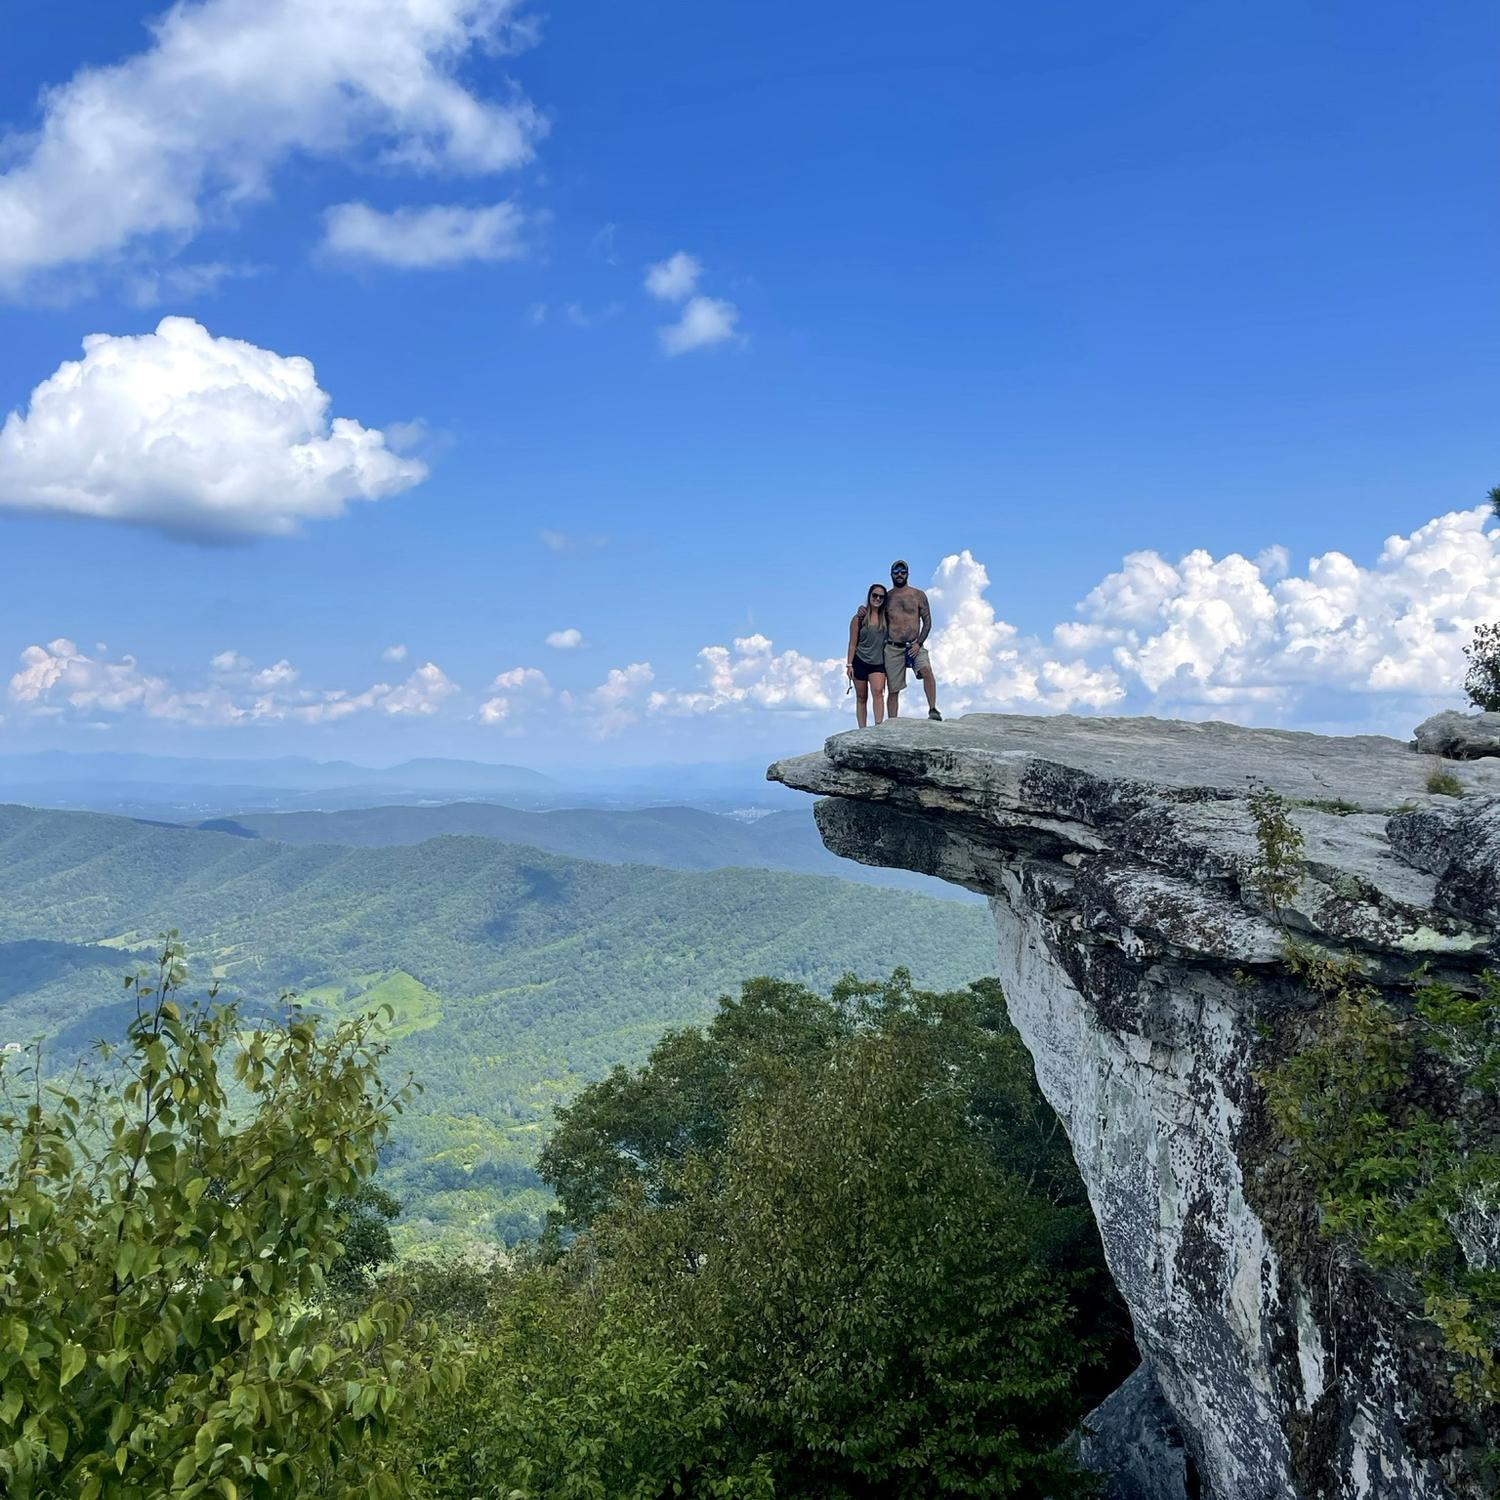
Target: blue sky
1017,292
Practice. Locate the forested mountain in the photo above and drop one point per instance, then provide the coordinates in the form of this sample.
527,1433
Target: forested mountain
515,975
677,838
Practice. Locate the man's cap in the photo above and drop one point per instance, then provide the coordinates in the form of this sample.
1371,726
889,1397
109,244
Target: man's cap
900,562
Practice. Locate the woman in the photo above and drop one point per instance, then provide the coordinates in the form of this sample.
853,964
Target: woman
865,664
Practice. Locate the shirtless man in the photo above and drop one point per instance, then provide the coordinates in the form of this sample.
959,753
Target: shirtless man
908,624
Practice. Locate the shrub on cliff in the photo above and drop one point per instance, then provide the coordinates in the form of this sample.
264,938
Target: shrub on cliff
1395,1120
163,1328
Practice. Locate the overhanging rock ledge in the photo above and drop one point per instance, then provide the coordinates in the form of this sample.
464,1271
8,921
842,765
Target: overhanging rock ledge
1143,971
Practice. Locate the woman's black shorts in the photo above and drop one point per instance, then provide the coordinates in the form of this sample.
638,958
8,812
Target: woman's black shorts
862,669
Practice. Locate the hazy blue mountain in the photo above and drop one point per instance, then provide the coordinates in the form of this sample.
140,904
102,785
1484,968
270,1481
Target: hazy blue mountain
294,773
186,789
678,838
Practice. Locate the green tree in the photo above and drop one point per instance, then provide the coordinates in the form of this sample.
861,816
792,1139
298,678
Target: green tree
567,1396
1482,681
870,1224
365,1232
163,1328
636,1126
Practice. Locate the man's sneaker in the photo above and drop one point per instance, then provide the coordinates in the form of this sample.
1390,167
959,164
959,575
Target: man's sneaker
932,713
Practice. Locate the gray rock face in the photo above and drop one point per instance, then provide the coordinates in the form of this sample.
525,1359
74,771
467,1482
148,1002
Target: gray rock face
1141,961
1459,736
1132,1439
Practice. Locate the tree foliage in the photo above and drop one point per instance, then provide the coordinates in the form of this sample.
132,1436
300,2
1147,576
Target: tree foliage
569,1394
834,1245
877,1294
826,1247
169,1234
1396,1121
1276,871
1482,681
365,1231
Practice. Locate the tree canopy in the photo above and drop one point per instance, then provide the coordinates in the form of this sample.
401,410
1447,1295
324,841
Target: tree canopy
850,1235
169,1234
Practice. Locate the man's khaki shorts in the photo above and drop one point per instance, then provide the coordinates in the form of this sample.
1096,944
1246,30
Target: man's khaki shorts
895,666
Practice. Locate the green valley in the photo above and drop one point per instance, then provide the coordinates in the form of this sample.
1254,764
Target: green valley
513,976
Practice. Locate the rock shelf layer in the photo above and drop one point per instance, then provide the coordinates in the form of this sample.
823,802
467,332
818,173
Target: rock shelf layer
1142,961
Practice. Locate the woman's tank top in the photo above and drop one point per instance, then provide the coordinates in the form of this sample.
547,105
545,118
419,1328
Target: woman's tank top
871,648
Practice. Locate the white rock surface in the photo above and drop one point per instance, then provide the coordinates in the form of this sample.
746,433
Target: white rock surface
1141,963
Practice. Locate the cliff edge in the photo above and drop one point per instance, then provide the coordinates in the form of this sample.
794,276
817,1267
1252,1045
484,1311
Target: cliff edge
1144,964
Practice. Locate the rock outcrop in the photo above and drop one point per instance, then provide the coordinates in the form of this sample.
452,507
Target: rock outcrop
1459,736
1144,970
1133,1440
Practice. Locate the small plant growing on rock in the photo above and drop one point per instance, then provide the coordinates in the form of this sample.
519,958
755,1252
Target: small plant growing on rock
1445,784
1338,806
1276,871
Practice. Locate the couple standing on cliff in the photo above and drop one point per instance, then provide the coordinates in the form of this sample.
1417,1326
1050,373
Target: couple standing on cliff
887,635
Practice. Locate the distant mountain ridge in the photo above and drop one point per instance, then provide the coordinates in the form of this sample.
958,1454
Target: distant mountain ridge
294,772
673,838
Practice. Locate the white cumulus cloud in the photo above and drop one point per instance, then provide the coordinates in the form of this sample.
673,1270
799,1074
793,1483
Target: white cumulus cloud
673,279
195,125
421,693
393,653
565,640
705,321
981,661
59,680
755,675
415,238
521,677
617,702
268,679
59,674
1336,643
1251,639
1327,643
198,436
613,705
512,688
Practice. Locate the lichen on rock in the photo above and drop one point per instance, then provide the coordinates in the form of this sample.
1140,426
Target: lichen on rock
1143,964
